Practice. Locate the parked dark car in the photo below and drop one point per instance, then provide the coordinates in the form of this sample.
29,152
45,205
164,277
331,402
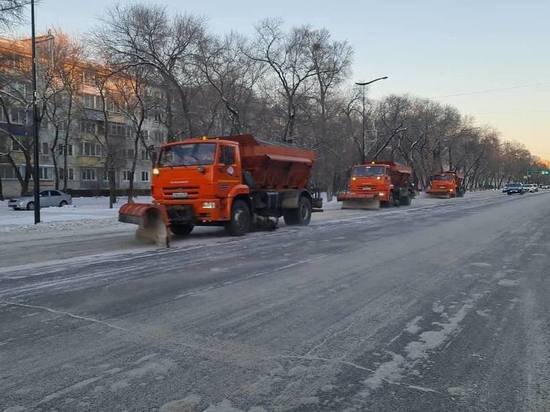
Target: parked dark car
512,188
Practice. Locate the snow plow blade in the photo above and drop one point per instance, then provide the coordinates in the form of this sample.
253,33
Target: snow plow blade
353,201
439,195
151,220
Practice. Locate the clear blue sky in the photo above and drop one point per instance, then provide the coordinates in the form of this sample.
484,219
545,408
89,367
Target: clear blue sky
429,48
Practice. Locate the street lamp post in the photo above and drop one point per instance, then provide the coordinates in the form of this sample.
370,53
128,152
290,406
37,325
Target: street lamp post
36,181
363,136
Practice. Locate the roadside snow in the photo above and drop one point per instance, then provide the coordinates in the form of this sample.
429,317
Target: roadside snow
84,212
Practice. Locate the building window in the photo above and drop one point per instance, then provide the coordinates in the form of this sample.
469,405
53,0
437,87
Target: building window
88,101
88,77
7,172
3,118
18,116
144,155
70,174
65,148
144,176
126,174
90,149
14,144
88,127
45,173
87,174
45,149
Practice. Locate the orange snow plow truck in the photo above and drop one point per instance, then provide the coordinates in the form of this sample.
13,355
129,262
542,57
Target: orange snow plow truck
378,183
232,181
447,184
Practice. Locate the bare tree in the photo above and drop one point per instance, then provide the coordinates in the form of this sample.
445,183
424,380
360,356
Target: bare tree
133,98
225,66
12,12
286,54
145,35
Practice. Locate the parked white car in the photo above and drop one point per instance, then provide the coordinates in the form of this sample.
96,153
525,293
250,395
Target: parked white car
47,198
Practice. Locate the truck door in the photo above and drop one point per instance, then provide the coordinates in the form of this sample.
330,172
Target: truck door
228,169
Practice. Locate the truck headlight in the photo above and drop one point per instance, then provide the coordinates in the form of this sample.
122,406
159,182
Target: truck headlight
208,205
451,190
381,194
156,171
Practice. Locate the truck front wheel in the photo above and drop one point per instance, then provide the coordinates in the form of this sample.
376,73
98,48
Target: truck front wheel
239,224
301,215
181,229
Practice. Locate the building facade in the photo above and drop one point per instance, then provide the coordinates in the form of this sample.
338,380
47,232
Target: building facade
85,134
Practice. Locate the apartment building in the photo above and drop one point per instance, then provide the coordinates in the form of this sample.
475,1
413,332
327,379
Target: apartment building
99,126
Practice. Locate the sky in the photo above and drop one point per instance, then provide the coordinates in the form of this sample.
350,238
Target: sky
488,58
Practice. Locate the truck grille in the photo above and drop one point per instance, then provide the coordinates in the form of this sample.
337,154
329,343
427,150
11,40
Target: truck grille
181,192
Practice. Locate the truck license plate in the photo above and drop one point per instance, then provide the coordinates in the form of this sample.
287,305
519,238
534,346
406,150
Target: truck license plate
180,195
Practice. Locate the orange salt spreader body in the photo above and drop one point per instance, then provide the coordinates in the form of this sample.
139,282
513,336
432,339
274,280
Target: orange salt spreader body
378,183
447,184
233,181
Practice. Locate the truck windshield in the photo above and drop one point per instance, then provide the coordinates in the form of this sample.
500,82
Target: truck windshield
362,171
443,177
189,154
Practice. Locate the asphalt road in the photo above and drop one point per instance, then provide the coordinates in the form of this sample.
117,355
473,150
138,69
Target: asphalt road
445,307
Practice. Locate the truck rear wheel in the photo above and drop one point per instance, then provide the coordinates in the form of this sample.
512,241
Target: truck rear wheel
181,229
301,215
239,224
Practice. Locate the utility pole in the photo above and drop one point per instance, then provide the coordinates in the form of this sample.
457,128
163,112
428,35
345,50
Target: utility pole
36,139
363,123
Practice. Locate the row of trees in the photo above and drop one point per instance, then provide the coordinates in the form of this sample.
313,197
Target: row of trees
293,86
290,86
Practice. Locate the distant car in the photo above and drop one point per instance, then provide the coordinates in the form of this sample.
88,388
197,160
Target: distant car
505,188
47,198
531,188
512,188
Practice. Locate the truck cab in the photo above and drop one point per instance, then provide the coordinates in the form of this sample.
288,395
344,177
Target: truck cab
446,184
372,179
378,183
198,175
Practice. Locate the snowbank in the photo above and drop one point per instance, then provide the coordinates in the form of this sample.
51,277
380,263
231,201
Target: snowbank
85,211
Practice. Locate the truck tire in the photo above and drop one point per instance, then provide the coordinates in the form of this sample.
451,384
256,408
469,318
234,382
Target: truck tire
389,203
396,201
240,222
301,215
182,229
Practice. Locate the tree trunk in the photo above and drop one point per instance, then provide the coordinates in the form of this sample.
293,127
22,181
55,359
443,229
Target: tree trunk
54,157
66,142
133,171
112,186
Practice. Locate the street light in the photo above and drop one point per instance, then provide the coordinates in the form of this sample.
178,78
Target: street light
35,123
363,85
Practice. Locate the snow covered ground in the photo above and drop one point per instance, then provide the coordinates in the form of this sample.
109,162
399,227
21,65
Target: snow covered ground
85,212
93,214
